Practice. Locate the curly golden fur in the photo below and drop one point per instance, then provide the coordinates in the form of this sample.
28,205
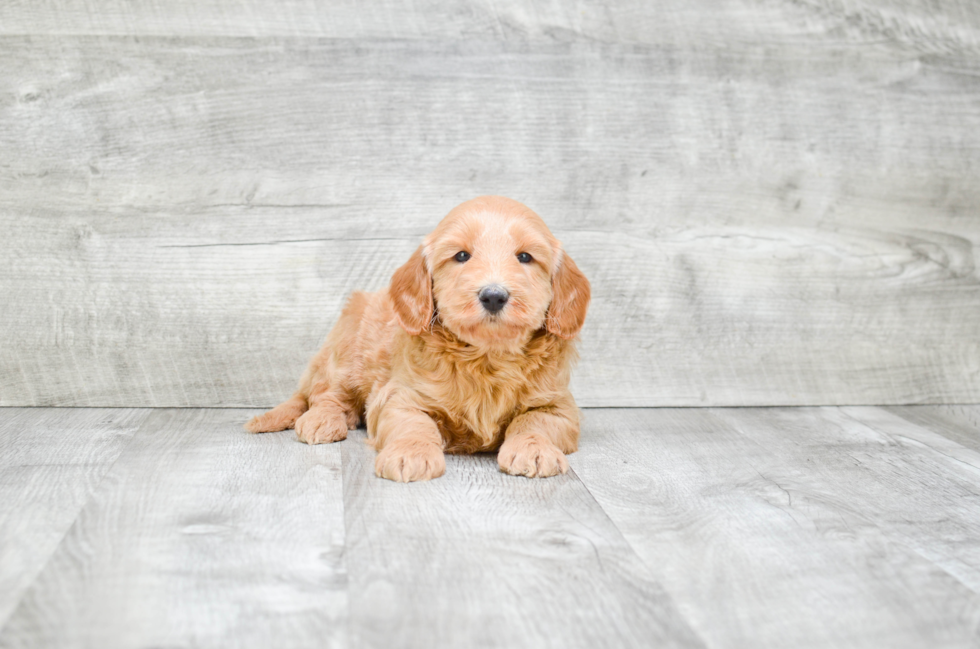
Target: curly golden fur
435,369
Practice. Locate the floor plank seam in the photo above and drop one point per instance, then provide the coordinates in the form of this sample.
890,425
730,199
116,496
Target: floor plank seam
639,558
68,529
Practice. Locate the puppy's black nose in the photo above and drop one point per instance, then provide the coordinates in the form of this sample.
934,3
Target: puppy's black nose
493,297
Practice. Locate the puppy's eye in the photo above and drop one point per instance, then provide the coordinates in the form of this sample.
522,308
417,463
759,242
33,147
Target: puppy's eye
524,258
462,256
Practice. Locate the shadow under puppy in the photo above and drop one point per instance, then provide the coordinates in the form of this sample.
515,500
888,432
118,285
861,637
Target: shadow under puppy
470,349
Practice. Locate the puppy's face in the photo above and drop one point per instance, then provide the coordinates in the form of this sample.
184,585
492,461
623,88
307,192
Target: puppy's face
494,274
491,274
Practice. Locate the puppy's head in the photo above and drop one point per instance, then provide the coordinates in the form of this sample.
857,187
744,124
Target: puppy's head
494,274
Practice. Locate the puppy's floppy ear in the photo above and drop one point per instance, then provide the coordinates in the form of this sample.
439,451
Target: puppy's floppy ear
570,301
411,294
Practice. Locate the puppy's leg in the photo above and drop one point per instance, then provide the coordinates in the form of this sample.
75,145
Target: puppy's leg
536,442
414,452
353,418
408,442
279,418
325,421
328,406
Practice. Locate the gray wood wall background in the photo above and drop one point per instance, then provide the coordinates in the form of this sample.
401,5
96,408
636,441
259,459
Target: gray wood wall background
777,201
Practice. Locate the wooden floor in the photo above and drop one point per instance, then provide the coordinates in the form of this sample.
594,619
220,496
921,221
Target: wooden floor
747,527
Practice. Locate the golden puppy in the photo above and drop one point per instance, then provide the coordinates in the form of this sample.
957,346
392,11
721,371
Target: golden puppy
470,349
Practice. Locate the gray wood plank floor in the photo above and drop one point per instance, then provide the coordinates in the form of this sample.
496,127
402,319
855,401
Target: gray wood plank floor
50,463
199,535
480,559
762,527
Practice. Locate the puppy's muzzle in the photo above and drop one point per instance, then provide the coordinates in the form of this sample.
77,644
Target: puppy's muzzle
493,297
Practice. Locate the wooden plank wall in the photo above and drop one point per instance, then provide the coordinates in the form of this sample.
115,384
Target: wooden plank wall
776,201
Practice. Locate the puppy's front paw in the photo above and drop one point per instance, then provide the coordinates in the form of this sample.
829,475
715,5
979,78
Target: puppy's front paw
410,461
322,426
531,456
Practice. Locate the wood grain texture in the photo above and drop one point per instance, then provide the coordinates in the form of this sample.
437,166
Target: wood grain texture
200,535
796,527
959,423
776,201
50,464
756,527
479,558
942,25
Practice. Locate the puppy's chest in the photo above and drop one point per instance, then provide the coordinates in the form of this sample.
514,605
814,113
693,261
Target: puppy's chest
474,408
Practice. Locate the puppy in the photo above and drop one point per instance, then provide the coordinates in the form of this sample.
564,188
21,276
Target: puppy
470,349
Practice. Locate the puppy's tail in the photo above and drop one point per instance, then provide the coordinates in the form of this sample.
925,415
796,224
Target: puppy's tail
279,418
